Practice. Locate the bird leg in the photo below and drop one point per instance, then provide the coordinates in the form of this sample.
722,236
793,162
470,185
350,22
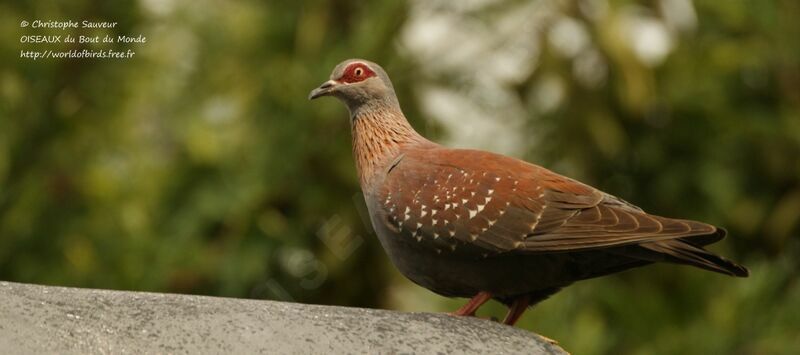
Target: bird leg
473,304
516,310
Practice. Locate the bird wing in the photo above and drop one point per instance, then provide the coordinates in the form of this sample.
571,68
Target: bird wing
490,204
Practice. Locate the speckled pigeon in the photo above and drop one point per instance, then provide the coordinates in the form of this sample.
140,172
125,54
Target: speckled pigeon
473,224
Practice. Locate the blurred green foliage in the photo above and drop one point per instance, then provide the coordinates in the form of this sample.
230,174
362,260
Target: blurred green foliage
200,167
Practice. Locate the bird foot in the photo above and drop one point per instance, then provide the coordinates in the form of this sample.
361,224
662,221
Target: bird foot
473,304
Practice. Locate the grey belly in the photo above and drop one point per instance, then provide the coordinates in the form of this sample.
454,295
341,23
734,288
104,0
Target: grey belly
454,274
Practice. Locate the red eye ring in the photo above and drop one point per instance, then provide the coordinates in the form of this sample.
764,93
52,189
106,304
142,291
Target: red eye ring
356,72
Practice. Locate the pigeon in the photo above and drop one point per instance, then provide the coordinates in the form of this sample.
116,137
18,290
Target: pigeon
478,225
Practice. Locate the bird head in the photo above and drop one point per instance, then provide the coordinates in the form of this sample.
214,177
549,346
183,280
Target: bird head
357,82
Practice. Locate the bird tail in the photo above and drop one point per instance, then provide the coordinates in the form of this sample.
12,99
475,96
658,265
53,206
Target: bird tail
706,239
682,252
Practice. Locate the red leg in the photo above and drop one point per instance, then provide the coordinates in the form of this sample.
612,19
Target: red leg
516,310
473,304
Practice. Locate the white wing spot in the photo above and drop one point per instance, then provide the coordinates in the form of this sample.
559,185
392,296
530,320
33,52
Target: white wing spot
463,200
446,206
407,216
434,221
487,200
480,207
492,222
472,213
453,233
422,213
541,212
497,179
433,212
419,225
491,191
473,236
435,235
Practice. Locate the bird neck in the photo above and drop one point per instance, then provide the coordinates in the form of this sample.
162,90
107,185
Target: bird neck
379,135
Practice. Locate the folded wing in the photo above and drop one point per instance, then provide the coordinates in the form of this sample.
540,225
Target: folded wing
473,202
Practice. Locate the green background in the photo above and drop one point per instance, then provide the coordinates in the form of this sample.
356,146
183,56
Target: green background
199,166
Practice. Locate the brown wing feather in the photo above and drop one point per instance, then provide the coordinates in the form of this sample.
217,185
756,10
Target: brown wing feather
481,202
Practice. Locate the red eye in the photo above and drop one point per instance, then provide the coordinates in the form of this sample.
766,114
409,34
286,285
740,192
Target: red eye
357,72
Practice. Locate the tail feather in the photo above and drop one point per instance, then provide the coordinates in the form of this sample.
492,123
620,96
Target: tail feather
682,252
706,239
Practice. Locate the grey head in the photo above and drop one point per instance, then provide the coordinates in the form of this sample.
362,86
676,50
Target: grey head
358,83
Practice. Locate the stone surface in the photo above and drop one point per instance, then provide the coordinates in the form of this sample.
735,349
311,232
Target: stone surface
45,319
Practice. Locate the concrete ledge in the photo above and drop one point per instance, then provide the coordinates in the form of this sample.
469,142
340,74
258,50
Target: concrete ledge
44,319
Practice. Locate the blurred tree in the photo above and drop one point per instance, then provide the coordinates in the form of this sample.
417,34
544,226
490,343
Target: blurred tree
197,166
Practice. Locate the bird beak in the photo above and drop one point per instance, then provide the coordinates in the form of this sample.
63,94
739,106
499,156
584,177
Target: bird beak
323,90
